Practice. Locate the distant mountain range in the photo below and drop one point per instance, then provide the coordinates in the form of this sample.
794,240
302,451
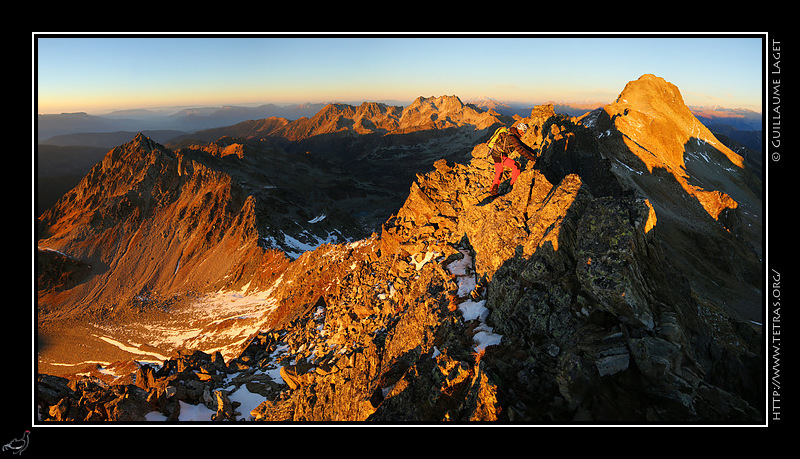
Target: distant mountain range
184,120
107,131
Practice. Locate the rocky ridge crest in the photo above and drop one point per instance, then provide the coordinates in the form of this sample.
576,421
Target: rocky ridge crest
425,113
555,302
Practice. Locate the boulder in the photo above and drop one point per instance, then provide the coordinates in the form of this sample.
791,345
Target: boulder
130,406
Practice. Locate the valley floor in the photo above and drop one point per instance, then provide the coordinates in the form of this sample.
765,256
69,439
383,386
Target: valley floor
217,322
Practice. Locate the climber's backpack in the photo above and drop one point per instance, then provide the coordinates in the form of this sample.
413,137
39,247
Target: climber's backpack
496,137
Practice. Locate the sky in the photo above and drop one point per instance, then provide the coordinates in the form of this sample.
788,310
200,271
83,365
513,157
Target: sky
98,74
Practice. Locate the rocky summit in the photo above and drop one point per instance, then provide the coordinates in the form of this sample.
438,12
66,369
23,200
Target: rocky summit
572,296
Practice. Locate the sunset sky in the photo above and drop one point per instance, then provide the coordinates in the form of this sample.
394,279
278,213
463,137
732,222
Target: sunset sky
101,73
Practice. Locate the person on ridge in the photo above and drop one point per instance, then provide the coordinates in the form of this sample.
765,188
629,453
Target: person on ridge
503,142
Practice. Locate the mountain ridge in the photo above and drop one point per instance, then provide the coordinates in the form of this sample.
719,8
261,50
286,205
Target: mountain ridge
424,113
579,275
147,207
674,155
276,217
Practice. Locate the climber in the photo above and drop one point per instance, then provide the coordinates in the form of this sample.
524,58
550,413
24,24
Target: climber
503,142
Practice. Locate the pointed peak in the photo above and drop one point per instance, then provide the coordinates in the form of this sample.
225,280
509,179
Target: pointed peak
139,138
335,108
655,116
649,88
141,145
142,140
445,103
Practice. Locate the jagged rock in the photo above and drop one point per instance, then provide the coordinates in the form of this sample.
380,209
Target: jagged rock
608,265
145,377
225,410
272,411
130,405
296,375
89,399
51,389
63,410
655,357
481,402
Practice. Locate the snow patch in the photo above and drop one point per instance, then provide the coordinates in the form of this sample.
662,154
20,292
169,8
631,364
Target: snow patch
485,337
471,309
131,348
197,412
697,154
628,167
219,321
294,247
459,267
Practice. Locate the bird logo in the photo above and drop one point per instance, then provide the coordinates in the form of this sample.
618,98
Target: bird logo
18,445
